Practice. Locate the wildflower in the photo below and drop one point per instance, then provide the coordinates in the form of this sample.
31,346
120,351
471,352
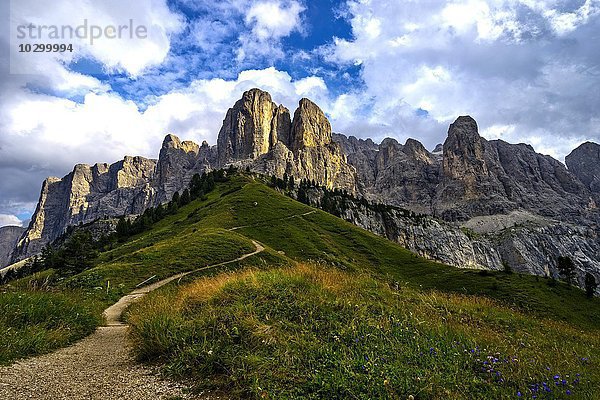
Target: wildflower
568,392
519,394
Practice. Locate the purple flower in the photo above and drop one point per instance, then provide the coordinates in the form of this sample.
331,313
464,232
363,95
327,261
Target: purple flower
568,392
519,394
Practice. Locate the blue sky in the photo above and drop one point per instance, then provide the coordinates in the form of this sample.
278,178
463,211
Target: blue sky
526,70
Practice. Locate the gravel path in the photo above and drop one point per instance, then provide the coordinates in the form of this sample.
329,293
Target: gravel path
97,367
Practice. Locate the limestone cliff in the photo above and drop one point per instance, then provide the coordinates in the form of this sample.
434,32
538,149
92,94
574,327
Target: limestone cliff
259,134
9,236
86,194
471,177
584,163
252,127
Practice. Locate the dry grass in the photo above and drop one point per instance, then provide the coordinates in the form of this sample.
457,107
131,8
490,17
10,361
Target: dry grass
314,332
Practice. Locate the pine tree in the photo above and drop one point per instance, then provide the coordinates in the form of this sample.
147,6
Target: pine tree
123,228
285,180
590,285
176,199
195,186
48,256
78,253
185,198
566,268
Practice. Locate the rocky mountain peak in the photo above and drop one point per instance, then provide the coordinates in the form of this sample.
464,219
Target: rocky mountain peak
414,148
9,236
251,127
310,127
173,142
464,150
584,163
466,125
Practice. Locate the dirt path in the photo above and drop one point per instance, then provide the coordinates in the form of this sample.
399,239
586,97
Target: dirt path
269,221
99,366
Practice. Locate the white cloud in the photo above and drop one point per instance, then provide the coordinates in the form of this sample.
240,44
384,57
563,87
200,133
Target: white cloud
269,21
274,19
9,220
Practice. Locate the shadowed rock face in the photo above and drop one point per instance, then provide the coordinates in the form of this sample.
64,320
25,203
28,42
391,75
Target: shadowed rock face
584,162
9,236
471,177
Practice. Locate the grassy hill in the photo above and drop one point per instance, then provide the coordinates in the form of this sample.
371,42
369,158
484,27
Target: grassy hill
508,315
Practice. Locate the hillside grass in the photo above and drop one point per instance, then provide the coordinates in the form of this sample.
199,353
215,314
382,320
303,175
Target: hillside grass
36,322
278,222
316,332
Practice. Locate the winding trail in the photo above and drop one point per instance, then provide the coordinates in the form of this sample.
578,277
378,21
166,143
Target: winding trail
99,366
266,222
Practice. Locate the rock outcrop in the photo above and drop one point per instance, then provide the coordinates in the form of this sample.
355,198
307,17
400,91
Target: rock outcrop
252,127
259,134
177,163
9,236
86,194
584,163
471,177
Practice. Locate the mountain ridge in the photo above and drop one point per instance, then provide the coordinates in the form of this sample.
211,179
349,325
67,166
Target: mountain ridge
469,178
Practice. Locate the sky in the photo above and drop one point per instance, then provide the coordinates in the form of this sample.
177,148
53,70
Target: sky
528,71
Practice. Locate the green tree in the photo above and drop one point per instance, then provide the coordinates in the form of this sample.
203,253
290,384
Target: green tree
78,253
590,285
566,268
285,180
185,198
49,256
123,228
159,212
196,186
176,198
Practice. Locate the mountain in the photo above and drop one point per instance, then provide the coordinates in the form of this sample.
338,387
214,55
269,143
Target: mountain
488,203
255,133
472,177
9,236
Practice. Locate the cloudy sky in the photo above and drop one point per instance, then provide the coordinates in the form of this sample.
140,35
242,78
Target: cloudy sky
526,70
